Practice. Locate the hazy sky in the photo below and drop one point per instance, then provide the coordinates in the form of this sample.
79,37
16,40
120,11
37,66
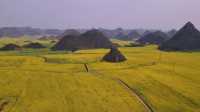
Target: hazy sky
156,14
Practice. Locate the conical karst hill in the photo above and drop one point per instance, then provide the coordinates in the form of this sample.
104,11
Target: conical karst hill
187,38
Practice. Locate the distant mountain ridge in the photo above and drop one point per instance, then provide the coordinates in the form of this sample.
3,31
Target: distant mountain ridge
22,31
123,34
157,37
119,33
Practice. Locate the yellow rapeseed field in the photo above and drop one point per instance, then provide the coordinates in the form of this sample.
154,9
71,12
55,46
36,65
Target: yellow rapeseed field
47,81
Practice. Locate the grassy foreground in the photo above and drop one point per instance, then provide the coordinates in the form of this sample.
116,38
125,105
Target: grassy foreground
44,81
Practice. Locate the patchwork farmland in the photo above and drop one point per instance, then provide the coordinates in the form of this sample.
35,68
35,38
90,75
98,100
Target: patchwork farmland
149,81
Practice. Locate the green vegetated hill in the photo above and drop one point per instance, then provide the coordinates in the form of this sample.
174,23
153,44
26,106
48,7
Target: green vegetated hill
150,80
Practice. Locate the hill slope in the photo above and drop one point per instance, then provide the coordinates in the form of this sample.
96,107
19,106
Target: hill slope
89,40
157,37
187,38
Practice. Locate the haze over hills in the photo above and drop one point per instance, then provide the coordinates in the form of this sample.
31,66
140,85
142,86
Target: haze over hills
171,33
29,31
157,37
118,33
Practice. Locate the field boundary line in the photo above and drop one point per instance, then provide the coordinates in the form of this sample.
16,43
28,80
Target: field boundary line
133,91
125,85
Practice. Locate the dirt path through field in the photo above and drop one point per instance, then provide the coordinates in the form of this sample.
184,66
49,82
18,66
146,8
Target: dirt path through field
125,85
128,88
